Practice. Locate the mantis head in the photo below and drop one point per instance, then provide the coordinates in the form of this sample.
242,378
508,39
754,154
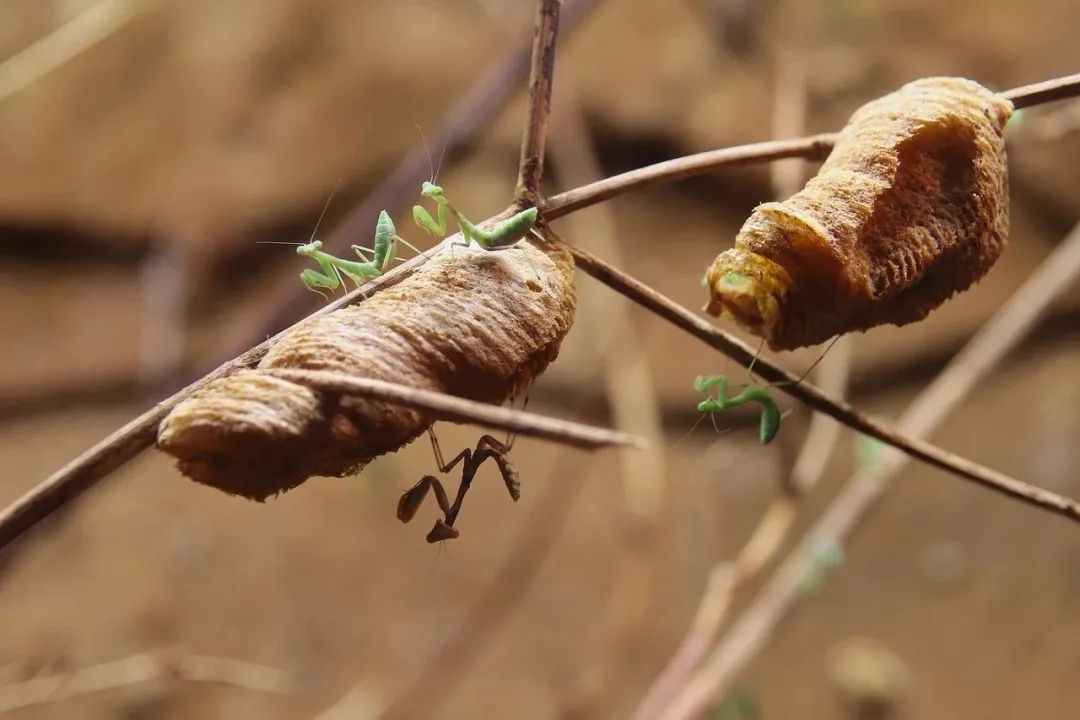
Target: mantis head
309,249
710,405
431,190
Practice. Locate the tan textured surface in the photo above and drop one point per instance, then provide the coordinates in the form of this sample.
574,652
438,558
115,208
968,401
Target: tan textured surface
910,208
977,595
479,325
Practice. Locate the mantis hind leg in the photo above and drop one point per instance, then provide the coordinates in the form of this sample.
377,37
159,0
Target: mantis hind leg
408,244
445,467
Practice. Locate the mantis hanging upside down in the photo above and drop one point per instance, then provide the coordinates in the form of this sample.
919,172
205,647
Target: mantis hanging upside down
487,448
502,236
770,413
752,393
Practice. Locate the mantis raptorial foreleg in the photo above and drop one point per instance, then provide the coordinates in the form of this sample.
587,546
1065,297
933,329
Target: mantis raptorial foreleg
423,218
487,448
503,235
770,413
333,268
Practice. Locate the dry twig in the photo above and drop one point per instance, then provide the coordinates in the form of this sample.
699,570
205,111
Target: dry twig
725,578
458,409
143,668
124,444
813,147
623,363
1043,92
816,399
1001,334
463,120
541,77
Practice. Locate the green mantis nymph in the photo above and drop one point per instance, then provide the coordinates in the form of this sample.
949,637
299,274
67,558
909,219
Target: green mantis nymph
502,236
383,253
770,413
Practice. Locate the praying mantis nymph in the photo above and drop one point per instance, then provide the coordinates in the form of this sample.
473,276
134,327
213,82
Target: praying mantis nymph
502,236
487,448
770,413
383,253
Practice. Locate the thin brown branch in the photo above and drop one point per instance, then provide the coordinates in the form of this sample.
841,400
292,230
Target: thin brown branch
814,147
824,432
816,399
998,337
89,468
457,409
503,594
541,76
623,363
765,542
486,96
71,481
1043,92
143,668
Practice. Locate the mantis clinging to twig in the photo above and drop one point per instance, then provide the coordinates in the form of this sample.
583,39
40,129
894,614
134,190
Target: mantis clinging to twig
503,235
770,413
487,447
383,253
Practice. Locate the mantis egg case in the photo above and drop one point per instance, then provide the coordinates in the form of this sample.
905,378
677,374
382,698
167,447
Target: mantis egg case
910,208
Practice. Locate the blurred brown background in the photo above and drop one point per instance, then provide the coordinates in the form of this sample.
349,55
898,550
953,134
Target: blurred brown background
137,178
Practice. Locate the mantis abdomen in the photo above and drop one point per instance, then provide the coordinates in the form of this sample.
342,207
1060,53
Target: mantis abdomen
506,233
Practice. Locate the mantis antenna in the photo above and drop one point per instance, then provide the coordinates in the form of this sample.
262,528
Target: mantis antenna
437,168
325,208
